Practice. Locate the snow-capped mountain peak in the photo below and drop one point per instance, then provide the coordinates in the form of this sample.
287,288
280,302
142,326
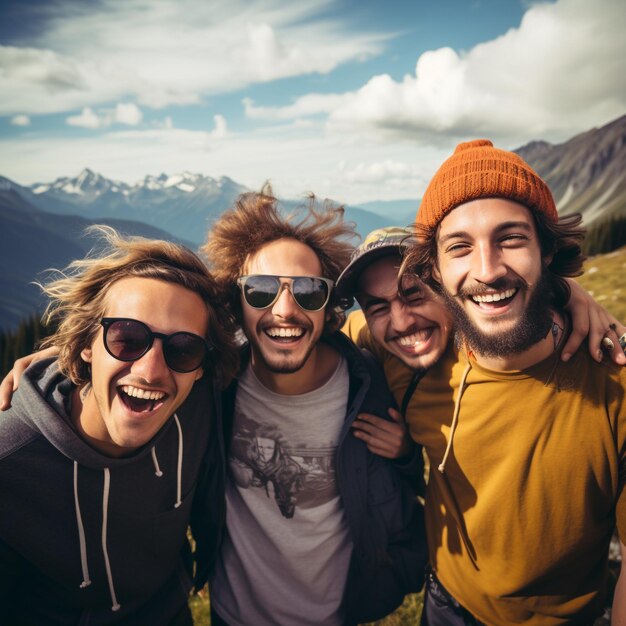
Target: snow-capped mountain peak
179,203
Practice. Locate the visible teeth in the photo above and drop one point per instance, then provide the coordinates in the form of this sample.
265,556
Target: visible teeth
142,394
284,332
411,340
494,297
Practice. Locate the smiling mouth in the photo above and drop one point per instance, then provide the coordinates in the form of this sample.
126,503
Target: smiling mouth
284,335
494,300
415,339
141,400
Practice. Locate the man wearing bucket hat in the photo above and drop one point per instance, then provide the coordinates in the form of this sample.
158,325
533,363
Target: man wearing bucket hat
410,334
529,462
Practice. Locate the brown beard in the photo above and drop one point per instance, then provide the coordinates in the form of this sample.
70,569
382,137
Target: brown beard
532,327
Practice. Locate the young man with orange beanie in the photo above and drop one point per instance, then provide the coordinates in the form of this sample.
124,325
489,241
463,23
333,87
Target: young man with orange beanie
528,464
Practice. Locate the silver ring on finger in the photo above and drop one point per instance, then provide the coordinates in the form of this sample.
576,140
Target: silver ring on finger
607,343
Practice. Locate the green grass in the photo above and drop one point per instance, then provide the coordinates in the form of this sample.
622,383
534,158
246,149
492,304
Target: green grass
605,280
200,608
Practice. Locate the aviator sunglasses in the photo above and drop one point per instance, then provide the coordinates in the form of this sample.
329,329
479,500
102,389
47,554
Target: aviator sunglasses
260,291
126,339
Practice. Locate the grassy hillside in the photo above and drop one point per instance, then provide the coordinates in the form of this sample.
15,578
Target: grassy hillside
603,280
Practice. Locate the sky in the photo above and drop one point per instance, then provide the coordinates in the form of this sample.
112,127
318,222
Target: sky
354,100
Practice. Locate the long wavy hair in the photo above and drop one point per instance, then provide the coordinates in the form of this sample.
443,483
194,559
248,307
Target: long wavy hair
560,242
78,297
255,221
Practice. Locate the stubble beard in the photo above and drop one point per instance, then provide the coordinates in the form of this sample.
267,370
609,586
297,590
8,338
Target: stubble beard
284,364
532,326
279,361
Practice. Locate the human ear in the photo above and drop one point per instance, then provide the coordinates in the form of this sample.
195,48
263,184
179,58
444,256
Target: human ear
86,355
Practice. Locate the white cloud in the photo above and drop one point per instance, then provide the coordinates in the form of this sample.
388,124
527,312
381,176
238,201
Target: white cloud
310,104
86,119
171,52
164,124
128,114
20,120
221,130
295,161
382,172
560,72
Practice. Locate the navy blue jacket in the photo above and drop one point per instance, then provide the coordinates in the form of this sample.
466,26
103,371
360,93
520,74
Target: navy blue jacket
385,519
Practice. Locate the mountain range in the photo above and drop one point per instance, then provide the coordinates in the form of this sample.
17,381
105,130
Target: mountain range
184,205
41,224
586,174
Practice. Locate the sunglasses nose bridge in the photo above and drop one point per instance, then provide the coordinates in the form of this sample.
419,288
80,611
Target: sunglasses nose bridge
152,362
282,302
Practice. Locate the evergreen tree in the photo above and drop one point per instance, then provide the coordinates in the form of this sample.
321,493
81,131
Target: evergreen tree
606,236
24,340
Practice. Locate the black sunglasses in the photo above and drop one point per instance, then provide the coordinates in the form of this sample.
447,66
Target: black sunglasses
126,339
260,291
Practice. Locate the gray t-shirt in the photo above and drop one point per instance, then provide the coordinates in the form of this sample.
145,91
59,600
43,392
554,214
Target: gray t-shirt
287,548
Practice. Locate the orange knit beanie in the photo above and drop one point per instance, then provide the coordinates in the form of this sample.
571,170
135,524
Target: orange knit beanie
478,170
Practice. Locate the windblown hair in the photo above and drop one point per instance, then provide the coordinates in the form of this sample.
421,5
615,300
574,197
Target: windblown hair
78,297
560,241
255,221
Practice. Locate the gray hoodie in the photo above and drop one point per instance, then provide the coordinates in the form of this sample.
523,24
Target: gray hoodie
89,539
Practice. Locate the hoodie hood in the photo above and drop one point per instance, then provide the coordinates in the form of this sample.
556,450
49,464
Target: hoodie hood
40,404
40,411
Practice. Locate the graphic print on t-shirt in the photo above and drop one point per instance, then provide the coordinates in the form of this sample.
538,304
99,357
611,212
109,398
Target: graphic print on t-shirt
290,472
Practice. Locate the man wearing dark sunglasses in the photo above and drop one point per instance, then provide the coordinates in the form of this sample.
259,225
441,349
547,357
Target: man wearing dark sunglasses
317,529
101,451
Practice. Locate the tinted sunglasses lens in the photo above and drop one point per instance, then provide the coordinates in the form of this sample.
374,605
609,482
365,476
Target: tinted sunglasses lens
184,352
310,293
127,340
260,291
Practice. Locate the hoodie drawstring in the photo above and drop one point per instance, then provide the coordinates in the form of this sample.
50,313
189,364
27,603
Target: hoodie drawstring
81,533
179,468
179,464
455,417
458,517
105,515
155,462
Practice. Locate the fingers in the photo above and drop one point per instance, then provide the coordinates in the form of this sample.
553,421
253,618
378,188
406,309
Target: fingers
7,387
11,381
377,425
382,448
386,453
591,320
382,437
582,308
577,336
613,342
396,416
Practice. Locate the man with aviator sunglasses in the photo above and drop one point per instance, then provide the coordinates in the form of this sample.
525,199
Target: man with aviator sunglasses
102,448
316,529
